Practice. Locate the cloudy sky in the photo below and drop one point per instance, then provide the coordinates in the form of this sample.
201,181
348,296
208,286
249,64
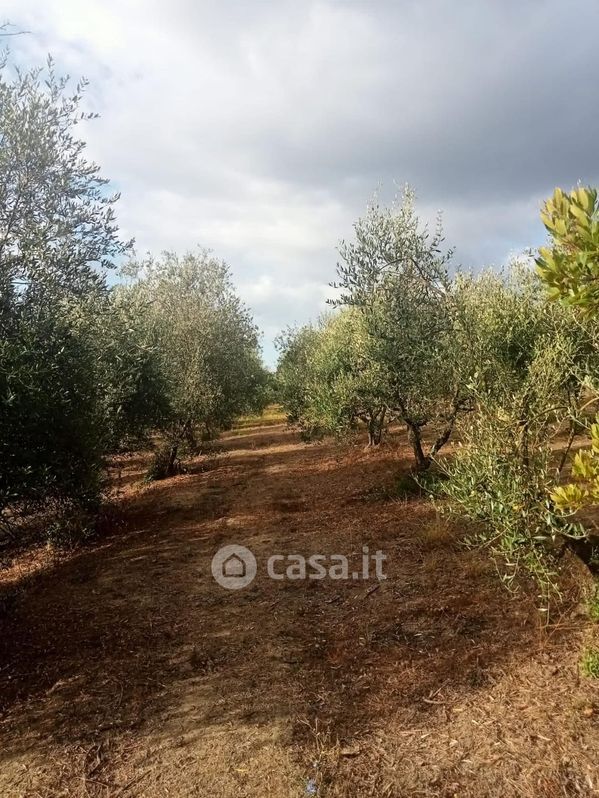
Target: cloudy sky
262,129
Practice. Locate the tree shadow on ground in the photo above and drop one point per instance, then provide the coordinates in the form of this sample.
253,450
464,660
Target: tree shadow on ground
134,638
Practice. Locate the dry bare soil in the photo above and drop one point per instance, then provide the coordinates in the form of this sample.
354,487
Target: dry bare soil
125,670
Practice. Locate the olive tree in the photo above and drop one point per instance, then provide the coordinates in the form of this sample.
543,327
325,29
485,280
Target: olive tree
331,382
396,274
296,347
57,221
349,384
57,238
206,342
133,393
527,360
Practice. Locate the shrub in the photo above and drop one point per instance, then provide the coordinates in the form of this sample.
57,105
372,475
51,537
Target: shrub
498,481
569,267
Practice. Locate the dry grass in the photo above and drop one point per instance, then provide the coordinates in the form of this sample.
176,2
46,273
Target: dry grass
126,671
271,416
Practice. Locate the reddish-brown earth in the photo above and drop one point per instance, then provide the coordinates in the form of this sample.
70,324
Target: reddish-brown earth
125,670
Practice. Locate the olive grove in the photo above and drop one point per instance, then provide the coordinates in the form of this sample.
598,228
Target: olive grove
416,343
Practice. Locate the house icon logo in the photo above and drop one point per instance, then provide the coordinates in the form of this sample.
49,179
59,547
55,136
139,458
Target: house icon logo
234,567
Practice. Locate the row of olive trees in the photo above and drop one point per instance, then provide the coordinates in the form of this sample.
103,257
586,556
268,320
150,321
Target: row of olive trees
85,367
413,344
385,356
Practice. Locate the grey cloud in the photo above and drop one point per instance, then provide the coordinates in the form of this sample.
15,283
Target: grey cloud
261,129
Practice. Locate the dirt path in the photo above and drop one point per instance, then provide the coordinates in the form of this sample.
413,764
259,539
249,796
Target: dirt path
127,671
